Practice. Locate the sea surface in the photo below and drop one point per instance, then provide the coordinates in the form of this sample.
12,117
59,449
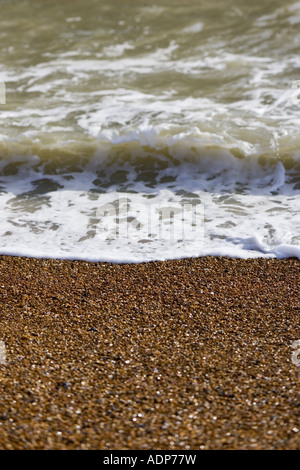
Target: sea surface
137,131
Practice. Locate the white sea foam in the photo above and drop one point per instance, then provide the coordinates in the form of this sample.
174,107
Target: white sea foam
193,28
76,221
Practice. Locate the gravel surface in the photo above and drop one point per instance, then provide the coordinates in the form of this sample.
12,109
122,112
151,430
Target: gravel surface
184,354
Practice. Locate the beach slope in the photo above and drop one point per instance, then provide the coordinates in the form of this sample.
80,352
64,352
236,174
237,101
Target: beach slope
183,354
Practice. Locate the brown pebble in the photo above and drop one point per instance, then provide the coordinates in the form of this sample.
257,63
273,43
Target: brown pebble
185,354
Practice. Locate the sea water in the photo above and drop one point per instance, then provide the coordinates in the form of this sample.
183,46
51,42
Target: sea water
137,131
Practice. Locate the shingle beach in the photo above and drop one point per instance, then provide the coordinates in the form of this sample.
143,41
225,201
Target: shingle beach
182,354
